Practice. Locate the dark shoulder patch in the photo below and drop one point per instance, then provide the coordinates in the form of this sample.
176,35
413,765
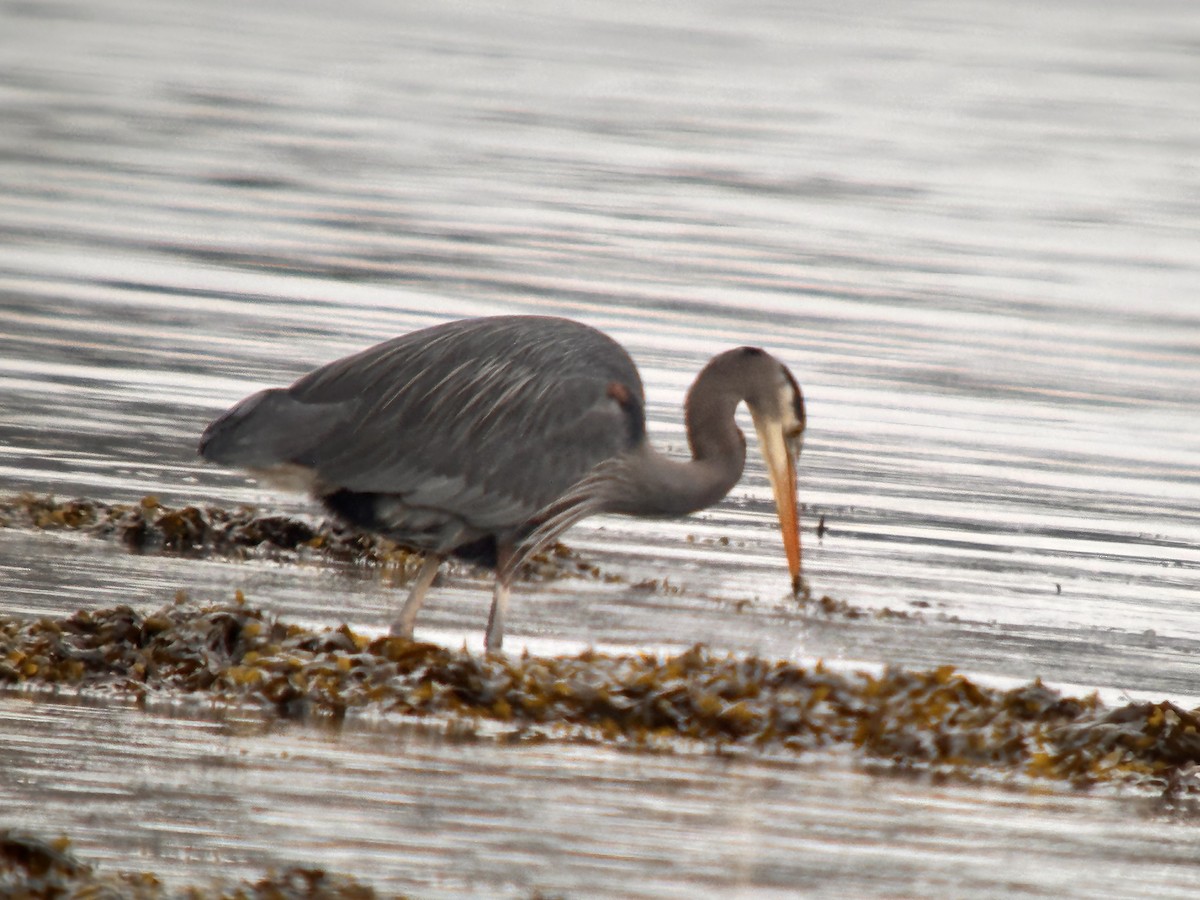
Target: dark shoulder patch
631,405
619,392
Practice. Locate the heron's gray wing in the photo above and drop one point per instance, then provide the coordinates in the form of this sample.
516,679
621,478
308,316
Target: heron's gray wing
489,421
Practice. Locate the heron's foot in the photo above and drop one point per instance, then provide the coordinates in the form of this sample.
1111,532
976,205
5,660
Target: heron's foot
402,629
494,638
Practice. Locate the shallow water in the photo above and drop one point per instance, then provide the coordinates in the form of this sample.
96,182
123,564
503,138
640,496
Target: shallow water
969,229
412,810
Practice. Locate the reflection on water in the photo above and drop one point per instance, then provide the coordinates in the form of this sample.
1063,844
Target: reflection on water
411,810
968,229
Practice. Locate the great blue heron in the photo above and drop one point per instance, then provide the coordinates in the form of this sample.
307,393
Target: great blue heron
487,438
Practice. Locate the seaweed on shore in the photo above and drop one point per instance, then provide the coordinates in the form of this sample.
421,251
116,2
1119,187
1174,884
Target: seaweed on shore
212,531
33,868
937,720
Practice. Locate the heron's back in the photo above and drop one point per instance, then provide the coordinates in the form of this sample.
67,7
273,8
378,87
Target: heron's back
450,435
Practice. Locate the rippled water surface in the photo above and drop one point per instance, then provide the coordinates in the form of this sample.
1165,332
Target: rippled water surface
436,817
969,228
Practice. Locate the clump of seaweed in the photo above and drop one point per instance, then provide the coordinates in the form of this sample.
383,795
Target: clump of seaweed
149,526
208,531
937,720
32,868
832,608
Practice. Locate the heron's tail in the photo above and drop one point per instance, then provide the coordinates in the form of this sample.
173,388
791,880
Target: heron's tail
266,429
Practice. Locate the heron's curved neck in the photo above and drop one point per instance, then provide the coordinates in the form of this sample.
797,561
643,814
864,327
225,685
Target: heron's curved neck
661,486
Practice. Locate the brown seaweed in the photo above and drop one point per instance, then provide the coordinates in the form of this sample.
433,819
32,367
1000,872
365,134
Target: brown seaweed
937,720
33,868
212,531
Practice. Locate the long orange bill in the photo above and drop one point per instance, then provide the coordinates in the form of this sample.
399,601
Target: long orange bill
781,467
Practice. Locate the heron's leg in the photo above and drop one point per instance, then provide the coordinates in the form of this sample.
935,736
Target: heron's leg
495,627
403,626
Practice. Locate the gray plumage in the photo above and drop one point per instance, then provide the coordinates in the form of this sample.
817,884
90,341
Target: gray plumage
456,431
486,438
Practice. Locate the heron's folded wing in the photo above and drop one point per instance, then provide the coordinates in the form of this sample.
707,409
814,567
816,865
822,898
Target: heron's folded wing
485,433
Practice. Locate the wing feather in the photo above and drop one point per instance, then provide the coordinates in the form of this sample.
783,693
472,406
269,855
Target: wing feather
489,420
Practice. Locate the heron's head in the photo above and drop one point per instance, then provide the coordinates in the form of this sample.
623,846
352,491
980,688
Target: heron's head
777,407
